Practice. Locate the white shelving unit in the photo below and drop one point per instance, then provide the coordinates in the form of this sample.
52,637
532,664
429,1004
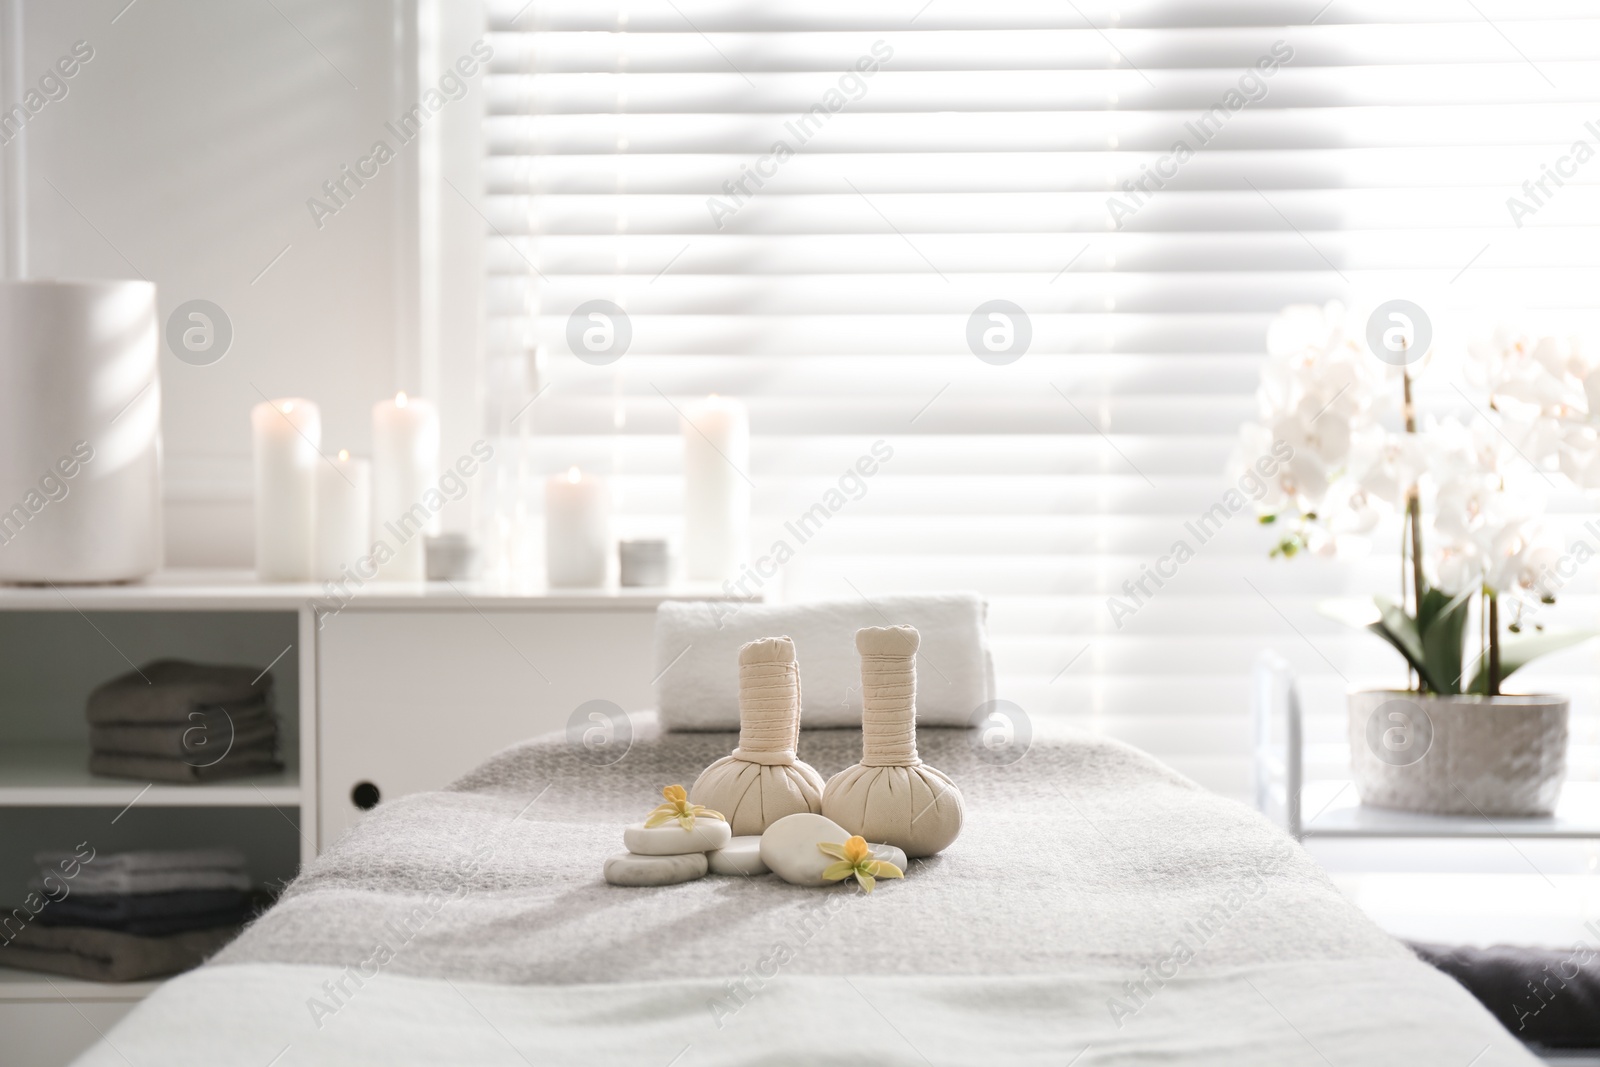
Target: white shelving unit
1333,810
225,590
21,987
46,1018
55,774
376,673
55,1013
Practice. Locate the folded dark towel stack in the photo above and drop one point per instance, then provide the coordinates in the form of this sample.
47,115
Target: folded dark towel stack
125,916
174,721
153,914
97,955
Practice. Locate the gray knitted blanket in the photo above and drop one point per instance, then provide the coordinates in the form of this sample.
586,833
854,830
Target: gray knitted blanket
1096,904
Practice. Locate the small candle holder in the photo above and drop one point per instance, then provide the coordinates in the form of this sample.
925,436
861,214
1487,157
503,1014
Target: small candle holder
452,557
644,563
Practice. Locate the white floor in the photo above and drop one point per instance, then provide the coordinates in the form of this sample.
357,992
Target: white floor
1481,893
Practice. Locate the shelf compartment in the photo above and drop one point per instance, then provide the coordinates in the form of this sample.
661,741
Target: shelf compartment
25,986
56,774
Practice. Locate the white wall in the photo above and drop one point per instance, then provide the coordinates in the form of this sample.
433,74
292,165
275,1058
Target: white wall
185,151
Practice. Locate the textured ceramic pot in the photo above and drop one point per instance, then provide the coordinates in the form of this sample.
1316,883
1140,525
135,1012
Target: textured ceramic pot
1459,755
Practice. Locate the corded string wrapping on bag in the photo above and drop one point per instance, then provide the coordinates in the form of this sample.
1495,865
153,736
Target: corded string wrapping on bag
769,705
889,708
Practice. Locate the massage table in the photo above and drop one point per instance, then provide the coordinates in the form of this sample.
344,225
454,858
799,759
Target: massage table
1098,908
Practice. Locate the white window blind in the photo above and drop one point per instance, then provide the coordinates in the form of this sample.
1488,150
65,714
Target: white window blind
803,204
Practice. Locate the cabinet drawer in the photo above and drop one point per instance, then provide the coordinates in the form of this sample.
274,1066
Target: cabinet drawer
410,701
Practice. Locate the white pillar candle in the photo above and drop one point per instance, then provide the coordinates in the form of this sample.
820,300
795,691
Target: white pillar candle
287,435
716,490
344,514
577,530
405,465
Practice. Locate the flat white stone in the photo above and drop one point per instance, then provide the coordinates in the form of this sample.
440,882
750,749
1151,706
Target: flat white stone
673,840
627,868
889,854
742,855
789,847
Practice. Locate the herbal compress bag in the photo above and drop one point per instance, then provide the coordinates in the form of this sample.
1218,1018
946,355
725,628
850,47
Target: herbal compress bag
891,796
763,780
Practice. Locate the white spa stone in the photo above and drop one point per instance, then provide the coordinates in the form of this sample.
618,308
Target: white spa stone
789,847
889,854
742,855
673,840
627,868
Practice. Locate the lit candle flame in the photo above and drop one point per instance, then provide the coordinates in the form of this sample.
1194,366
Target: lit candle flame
400,399
573,475
344,455
288,406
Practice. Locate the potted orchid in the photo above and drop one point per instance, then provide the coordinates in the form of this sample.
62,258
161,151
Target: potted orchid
1476,567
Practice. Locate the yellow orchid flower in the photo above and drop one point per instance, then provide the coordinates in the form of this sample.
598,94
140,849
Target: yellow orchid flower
856,858
677,807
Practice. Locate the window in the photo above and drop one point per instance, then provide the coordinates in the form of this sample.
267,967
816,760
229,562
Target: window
1033,248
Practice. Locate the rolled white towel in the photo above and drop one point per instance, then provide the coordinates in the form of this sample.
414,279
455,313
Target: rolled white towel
698,642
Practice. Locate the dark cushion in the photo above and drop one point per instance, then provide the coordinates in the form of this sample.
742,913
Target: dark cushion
1550,997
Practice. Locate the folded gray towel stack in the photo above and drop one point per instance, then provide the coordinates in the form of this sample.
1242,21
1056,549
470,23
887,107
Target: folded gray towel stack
153,871
128,915
175,721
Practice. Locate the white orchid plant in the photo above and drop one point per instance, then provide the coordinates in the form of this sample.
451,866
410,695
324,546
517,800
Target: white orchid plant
1461,485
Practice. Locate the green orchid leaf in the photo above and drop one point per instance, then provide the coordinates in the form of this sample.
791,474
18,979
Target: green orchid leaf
1442,624
1519,650
1400,630
1436,602
1384,618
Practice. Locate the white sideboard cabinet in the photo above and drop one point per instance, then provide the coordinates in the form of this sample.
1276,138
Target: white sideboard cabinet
399,690
410,700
